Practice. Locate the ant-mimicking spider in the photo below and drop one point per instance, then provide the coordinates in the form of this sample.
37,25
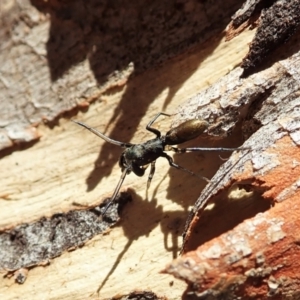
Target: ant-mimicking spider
137,157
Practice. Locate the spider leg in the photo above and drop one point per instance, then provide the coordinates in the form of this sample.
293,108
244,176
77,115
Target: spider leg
153,130
184,150
152,170
112,199
172,164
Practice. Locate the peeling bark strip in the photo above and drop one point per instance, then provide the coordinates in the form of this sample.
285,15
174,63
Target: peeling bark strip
277,23
29,245
260,256
245,12
272,101
259,259
256,101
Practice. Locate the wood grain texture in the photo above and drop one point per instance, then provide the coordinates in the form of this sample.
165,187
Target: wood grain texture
70,165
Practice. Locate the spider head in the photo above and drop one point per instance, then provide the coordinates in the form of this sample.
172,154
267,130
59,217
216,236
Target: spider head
125,162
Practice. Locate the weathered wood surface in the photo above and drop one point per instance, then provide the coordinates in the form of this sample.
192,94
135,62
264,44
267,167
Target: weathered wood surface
245,244
69,165
58,55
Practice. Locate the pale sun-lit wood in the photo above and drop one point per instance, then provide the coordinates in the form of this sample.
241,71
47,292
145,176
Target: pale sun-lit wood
49,176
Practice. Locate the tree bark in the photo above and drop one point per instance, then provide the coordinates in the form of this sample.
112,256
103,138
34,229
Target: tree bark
239,238
52,63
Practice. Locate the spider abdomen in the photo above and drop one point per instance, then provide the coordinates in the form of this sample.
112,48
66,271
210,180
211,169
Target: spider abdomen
186,131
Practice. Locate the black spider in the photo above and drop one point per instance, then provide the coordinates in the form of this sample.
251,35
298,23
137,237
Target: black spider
137,157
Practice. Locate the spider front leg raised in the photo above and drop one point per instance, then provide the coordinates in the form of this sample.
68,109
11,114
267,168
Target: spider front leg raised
153,130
